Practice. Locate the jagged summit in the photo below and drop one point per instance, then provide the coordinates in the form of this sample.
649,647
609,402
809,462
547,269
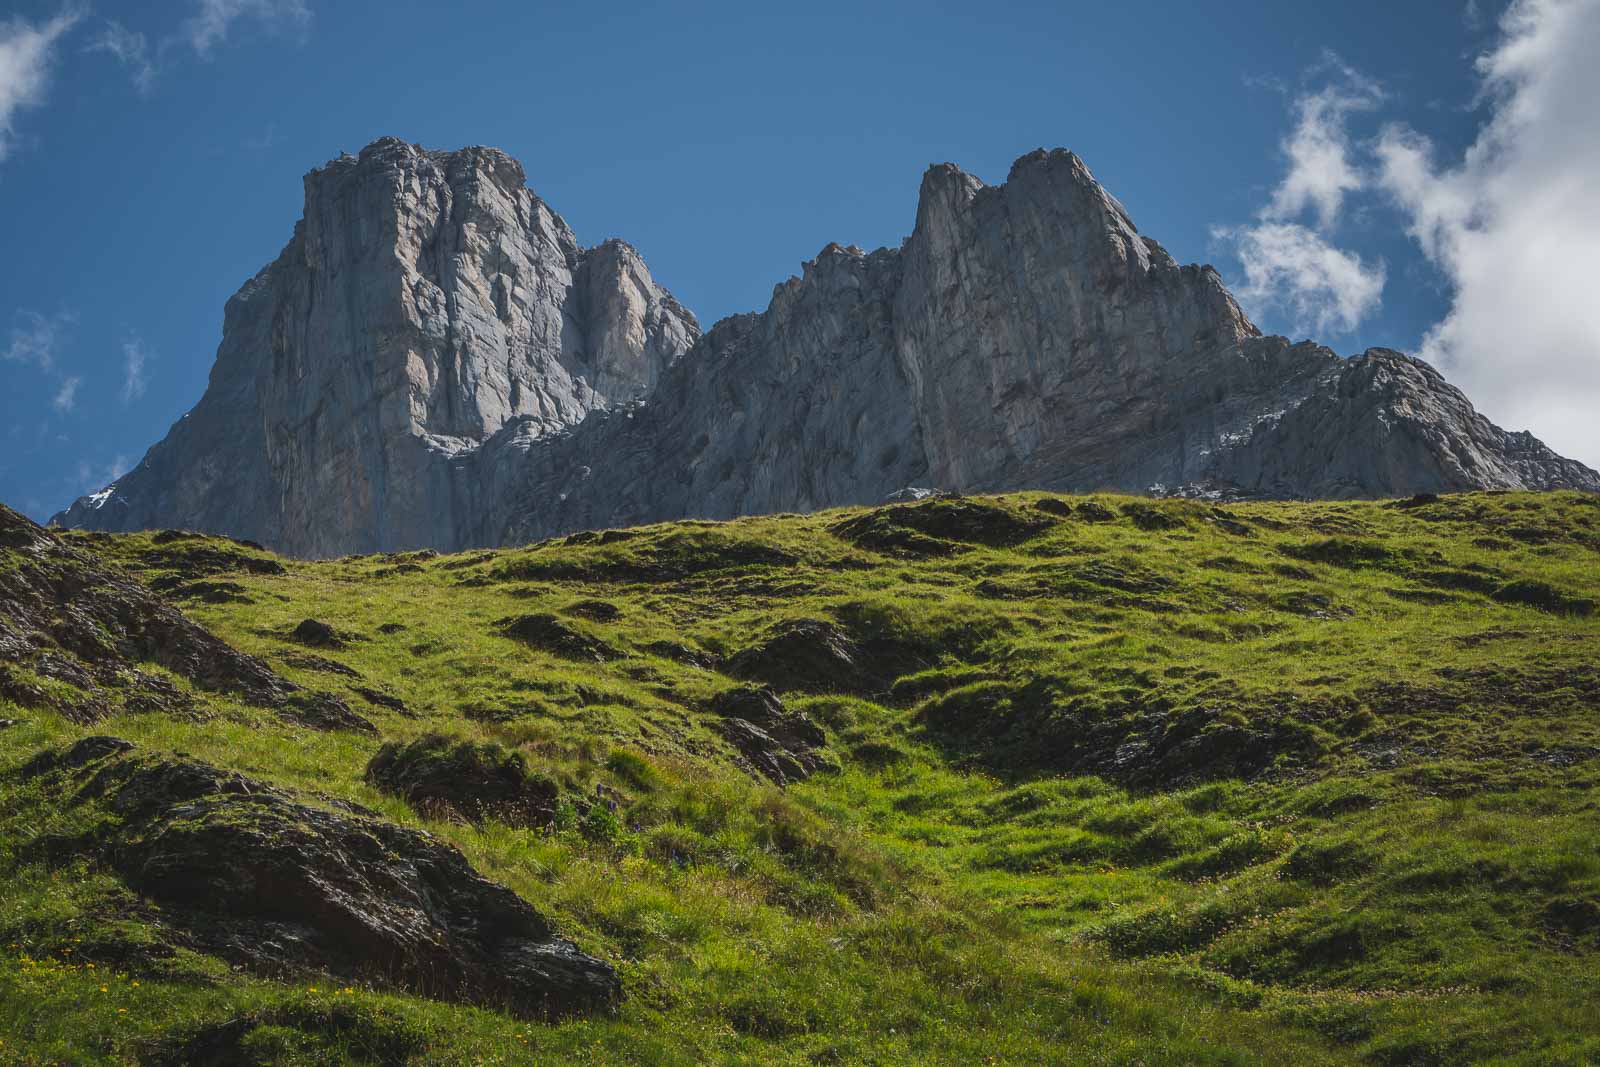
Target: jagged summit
435,361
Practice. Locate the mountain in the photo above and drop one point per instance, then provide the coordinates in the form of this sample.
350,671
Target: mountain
434,361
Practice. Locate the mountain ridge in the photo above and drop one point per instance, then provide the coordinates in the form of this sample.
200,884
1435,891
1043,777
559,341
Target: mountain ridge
1023,335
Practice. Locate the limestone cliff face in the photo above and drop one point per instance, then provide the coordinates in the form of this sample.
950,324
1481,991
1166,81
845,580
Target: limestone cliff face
433,361
424,301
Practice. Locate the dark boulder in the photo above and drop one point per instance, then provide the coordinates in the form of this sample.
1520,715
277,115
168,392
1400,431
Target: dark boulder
778,743
809,655
550,634
249,873
318,634
66,614
443,775
323,711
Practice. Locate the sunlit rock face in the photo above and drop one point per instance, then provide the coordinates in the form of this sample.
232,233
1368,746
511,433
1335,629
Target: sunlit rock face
425,300
433,361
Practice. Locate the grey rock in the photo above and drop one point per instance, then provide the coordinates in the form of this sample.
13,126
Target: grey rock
251,873
410,374
424,301
67,615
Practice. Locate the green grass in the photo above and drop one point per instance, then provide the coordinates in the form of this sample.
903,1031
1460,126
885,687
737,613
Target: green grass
1275,783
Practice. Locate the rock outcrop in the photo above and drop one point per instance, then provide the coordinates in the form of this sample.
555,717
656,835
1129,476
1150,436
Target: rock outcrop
252,874
433,361
68,618
426,300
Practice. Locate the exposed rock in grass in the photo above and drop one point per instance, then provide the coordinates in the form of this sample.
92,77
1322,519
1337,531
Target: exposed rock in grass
1052,505
780,744
550,634
323,711
261,879
1153,517
809,655
307,661
317,634
940,526
1091,511
682,653
594,610
379,698
66,614
455,778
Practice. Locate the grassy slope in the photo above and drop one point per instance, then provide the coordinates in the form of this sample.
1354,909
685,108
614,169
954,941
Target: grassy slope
1408,870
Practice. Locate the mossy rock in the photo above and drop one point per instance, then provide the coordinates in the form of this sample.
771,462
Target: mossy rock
440,775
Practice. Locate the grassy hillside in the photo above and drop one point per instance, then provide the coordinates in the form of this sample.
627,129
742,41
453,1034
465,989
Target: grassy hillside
1098,780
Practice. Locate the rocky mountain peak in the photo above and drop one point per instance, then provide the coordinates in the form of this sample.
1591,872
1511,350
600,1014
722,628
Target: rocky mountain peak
435,361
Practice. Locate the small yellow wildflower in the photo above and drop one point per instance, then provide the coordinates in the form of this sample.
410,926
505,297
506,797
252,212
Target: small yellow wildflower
102,989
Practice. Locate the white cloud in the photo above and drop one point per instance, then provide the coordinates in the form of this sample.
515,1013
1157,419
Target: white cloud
1292,270
209,25
133,360
26,54
1514,224
131,49
1319,150
34,338
67,395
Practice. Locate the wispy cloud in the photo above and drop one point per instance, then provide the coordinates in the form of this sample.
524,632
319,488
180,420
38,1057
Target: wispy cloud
1319,151
212,21
93,476
1514,225
67,395
35,337
1292,270
1291,264
131,49
133,361
27,52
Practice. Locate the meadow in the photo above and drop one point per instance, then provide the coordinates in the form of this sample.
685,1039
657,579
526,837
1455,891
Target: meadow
1100,780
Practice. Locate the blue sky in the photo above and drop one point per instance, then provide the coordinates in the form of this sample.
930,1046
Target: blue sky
153,153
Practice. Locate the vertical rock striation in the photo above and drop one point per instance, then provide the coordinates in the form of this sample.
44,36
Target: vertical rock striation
425,300
433,361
